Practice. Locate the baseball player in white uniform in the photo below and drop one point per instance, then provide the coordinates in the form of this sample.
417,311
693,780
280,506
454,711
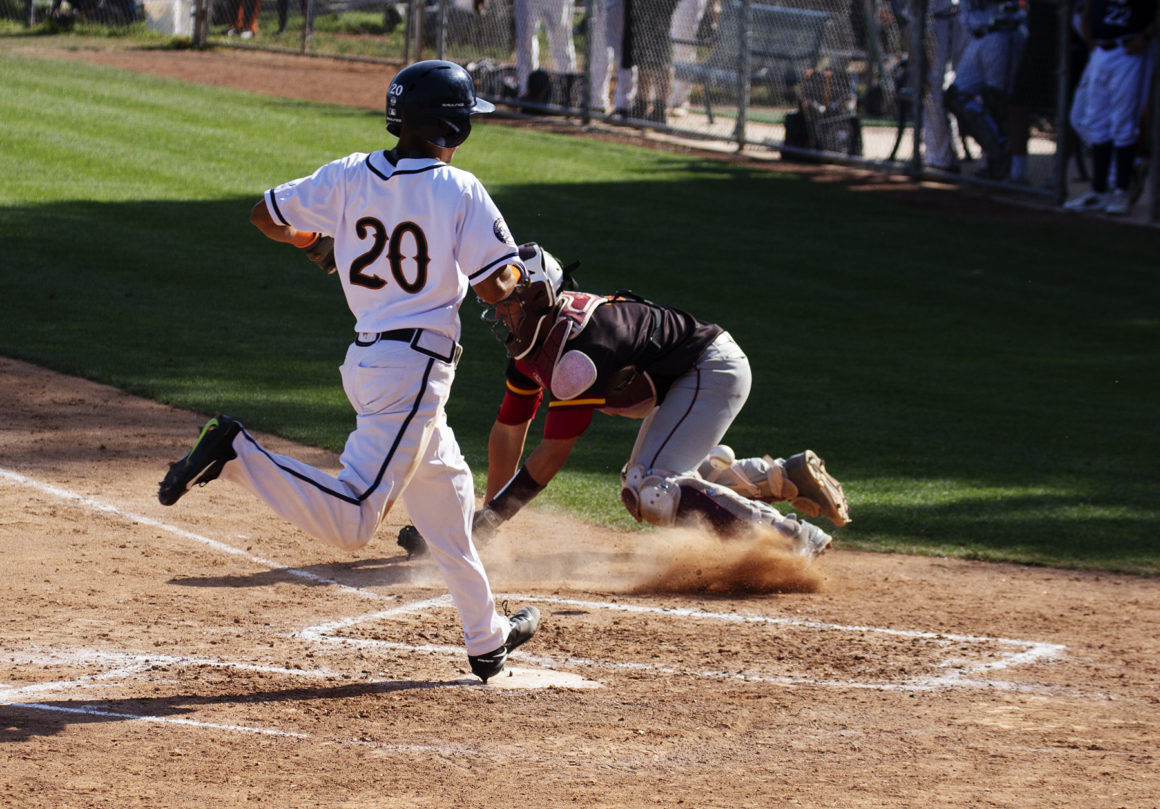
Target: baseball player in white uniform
1111,96
946,39
686,19
407,235
615,20
985,77
555,16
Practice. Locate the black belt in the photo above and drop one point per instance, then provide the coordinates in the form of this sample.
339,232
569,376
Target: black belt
413,337
1112,44
398,335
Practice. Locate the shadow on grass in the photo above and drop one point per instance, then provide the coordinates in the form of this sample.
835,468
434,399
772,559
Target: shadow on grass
893,359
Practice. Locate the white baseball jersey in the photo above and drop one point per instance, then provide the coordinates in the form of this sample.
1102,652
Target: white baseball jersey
410,236
1114,89
991,55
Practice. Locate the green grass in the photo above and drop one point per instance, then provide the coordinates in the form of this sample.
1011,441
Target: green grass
985,389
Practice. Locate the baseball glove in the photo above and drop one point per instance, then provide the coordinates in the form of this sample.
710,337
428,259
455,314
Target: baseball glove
412,541
321,252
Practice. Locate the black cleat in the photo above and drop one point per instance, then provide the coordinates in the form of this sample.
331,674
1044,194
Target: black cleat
203,462
524,626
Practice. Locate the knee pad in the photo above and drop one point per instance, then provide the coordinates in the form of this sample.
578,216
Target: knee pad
648,497
660,501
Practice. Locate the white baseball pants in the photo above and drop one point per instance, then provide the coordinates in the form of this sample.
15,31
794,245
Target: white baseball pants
401,446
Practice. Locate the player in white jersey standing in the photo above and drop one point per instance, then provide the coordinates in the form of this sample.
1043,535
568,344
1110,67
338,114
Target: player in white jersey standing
985,77
1111,97
407,235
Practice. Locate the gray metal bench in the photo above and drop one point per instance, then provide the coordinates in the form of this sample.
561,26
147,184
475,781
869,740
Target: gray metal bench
783,44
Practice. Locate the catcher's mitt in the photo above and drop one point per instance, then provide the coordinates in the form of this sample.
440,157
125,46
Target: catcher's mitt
412,541
321,252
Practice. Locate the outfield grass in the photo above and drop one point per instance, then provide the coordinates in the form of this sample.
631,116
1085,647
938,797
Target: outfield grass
985,389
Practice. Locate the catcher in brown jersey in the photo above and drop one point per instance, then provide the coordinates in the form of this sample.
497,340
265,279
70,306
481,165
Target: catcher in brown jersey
685,378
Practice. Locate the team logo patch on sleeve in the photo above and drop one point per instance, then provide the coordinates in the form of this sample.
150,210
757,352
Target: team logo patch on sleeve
502,233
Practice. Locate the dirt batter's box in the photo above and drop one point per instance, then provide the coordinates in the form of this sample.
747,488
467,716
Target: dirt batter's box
766,648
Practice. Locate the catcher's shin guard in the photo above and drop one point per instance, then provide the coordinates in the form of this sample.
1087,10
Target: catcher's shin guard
728,514
801,479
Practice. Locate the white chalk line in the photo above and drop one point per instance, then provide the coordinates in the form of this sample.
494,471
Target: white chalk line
1031,651
108,508
128,666
1026,652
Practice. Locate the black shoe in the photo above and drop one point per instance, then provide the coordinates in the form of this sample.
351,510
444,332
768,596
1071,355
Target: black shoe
204,462
524,626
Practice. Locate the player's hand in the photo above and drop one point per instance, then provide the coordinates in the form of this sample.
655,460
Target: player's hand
1136,44
321,252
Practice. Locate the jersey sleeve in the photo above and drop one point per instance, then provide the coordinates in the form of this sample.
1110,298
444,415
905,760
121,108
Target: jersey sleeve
486,244
521,398
311,203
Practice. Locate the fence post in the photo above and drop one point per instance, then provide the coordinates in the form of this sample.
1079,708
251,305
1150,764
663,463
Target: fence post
1059,163
586,77
918,72
200,23
441,38
308,26
743,68
1154,136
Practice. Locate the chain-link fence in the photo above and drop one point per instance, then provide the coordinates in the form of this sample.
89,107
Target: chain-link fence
990,81
64,13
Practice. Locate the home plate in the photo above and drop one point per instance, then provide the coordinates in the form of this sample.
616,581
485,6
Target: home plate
539,678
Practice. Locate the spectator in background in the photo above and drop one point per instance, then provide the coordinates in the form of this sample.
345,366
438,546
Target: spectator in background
284,13
650,50
245,19
946,40
1036,84
615,26
1112,95
600,66
555,16
686,22
985,78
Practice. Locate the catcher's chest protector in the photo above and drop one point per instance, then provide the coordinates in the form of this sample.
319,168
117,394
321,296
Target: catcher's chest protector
573,315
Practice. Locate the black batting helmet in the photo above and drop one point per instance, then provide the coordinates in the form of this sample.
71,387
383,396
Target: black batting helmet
434,100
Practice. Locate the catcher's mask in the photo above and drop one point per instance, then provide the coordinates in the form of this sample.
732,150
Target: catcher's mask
522,319
434,100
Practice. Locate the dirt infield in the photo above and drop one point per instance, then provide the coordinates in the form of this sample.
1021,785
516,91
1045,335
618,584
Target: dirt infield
208,655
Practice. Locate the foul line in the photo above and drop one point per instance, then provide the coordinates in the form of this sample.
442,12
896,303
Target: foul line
126,665
108,508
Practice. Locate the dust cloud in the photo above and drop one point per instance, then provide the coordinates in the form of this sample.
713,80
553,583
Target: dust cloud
694,562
